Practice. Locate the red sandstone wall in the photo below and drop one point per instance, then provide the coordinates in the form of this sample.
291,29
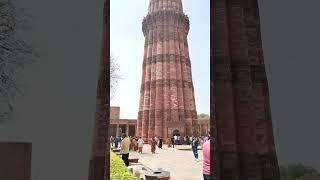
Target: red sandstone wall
243,118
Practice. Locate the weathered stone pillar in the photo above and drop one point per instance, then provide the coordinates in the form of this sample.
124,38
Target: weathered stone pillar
127,130
117,131
243,119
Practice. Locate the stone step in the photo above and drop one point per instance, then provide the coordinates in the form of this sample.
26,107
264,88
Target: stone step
133,160
116,150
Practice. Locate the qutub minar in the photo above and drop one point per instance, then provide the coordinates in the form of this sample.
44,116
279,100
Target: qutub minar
167,104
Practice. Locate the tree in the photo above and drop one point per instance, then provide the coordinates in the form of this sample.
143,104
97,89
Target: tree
15,53
294,171
203,116
114,76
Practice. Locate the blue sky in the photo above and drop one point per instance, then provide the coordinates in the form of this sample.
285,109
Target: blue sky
127,43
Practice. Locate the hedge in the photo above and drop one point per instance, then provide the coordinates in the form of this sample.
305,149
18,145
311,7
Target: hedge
118,170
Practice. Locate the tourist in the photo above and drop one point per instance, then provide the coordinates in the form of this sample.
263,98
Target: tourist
194,145
153,145
140,145
206,159
201,141
156,138
133,143
169,142
172,141
175,137
116,142
188,140
205,139
125,143
111,141
160,143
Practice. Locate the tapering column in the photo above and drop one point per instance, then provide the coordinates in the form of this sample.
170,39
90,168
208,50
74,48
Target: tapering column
167,88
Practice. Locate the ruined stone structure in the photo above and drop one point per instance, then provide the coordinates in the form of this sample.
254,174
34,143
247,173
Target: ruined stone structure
167,103
129,126
240,89
119,126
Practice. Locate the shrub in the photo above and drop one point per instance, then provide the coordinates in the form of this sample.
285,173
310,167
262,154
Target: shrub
118,170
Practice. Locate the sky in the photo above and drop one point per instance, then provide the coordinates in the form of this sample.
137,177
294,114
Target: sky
127,46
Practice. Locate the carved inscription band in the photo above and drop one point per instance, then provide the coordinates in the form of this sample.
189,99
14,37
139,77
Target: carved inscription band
166,58
166,113
166,83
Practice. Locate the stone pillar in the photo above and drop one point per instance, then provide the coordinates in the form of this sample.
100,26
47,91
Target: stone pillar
247,149
117,131
127,130
159,84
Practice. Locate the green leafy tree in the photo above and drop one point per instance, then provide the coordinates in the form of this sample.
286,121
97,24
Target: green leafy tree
203,116
294,171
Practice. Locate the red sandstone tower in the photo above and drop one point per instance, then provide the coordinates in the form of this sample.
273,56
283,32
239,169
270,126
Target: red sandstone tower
167,104
243,117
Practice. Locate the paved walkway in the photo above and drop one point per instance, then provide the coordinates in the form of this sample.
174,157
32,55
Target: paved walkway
180,163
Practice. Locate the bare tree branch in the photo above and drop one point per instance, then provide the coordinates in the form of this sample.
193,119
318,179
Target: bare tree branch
15,54
114,76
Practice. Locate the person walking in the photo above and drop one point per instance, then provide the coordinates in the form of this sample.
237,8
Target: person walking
169,143
195,144
116,142
206,160
125,144
160,143
188,140
175,137
135,144
140,145
153,145
172,141
111,141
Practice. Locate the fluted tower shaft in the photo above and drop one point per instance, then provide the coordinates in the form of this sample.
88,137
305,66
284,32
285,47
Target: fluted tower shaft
167,103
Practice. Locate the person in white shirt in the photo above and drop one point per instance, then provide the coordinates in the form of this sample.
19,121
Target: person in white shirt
175,139
140,145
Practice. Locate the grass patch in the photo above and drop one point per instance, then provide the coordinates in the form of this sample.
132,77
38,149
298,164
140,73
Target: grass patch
118,170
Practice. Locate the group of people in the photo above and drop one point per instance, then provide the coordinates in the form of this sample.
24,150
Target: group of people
136,144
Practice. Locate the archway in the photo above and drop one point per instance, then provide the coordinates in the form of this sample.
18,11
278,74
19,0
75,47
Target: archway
176,132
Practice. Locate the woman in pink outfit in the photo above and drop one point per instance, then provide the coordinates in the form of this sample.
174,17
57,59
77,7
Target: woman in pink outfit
206,160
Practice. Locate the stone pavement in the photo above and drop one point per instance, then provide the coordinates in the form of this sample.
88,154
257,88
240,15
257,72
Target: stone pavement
180,163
